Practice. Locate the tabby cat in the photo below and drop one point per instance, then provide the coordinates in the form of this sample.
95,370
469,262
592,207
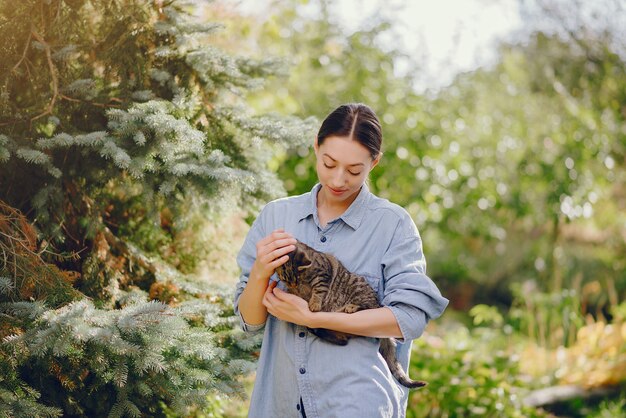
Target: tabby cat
321,280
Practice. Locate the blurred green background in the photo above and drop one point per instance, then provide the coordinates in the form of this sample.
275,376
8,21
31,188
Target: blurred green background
512,168
504,138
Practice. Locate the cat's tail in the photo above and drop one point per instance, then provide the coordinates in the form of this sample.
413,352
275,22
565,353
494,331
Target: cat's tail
388,351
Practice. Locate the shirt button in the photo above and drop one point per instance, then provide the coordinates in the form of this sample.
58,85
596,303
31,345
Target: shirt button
302,370
323,239
302,334
298,407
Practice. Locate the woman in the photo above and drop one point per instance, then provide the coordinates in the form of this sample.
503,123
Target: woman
300,375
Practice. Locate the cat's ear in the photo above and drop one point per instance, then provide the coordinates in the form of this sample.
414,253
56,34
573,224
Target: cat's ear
302,260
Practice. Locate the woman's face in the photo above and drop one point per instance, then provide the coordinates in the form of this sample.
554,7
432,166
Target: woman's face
342,167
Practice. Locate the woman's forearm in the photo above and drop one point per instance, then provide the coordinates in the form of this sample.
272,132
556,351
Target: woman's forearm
271,252
379,323
251,301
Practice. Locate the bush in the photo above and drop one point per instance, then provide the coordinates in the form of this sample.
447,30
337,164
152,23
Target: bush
471,373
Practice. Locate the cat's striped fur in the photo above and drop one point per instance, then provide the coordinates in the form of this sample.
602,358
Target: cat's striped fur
321,280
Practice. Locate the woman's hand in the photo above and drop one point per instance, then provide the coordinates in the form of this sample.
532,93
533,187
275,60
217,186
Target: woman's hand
287,307
271,252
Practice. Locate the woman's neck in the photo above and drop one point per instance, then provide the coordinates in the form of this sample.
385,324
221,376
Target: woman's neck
327,210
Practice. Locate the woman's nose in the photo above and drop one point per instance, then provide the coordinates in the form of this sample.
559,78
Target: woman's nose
340,178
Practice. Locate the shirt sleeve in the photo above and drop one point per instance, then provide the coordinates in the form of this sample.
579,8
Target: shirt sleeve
245,260
410,294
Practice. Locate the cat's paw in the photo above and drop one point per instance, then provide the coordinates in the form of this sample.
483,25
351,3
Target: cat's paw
315,305
350,308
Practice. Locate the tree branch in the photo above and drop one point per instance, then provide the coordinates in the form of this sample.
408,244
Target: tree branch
104,105
128,250
23,55
53,74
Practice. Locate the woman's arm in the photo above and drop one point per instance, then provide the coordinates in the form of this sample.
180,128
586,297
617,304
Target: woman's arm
271,252
250,306
379,323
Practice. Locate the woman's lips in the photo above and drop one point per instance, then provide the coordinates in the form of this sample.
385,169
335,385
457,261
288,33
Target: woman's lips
335,191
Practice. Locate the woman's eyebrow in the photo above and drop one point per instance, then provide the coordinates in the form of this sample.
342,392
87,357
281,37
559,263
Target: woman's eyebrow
351,165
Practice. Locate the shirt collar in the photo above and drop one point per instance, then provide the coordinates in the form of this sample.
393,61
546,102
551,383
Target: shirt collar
352,216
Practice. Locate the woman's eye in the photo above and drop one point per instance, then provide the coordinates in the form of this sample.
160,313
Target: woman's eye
332,166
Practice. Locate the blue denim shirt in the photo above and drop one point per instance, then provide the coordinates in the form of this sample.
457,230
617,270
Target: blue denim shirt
378,240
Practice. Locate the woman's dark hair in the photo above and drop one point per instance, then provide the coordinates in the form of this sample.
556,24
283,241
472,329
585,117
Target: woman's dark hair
357,121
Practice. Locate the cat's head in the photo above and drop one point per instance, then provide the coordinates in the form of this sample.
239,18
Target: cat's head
295,269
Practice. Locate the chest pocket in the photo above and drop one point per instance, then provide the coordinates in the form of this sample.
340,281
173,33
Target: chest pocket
376,283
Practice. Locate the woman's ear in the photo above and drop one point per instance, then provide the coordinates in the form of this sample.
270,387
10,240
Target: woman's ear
315,145
376,160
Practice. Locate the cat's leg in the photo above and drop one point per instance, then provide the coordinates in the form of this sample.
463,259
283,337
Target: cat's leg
334,337
315,302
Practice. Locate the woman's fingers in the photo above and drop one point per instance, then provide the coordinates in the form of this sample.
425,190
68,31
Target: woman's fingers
269,254
281,295
281,242
275,235
278,253
269,297
279,261
272,251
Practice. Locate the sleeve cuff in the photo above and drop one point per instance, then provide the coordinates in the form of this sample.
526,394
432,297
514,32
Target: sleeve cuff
244,325
248,327
412,321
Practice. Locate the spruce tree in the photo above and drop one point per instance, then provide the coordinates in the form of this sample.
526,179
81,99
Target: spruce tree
122,129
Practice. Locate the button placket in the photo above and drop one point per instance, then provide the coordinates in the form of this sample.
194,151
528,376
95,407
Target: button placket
300,359
324,234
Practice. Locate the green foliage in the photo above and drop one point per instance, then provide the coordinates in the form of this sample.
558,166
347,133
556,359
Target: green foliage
23,403
471,373
549,319
169,117
610,409
118,360
489,370
485,315
512,172
564,343
518,163
329,67
124,131
619,312
24,276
